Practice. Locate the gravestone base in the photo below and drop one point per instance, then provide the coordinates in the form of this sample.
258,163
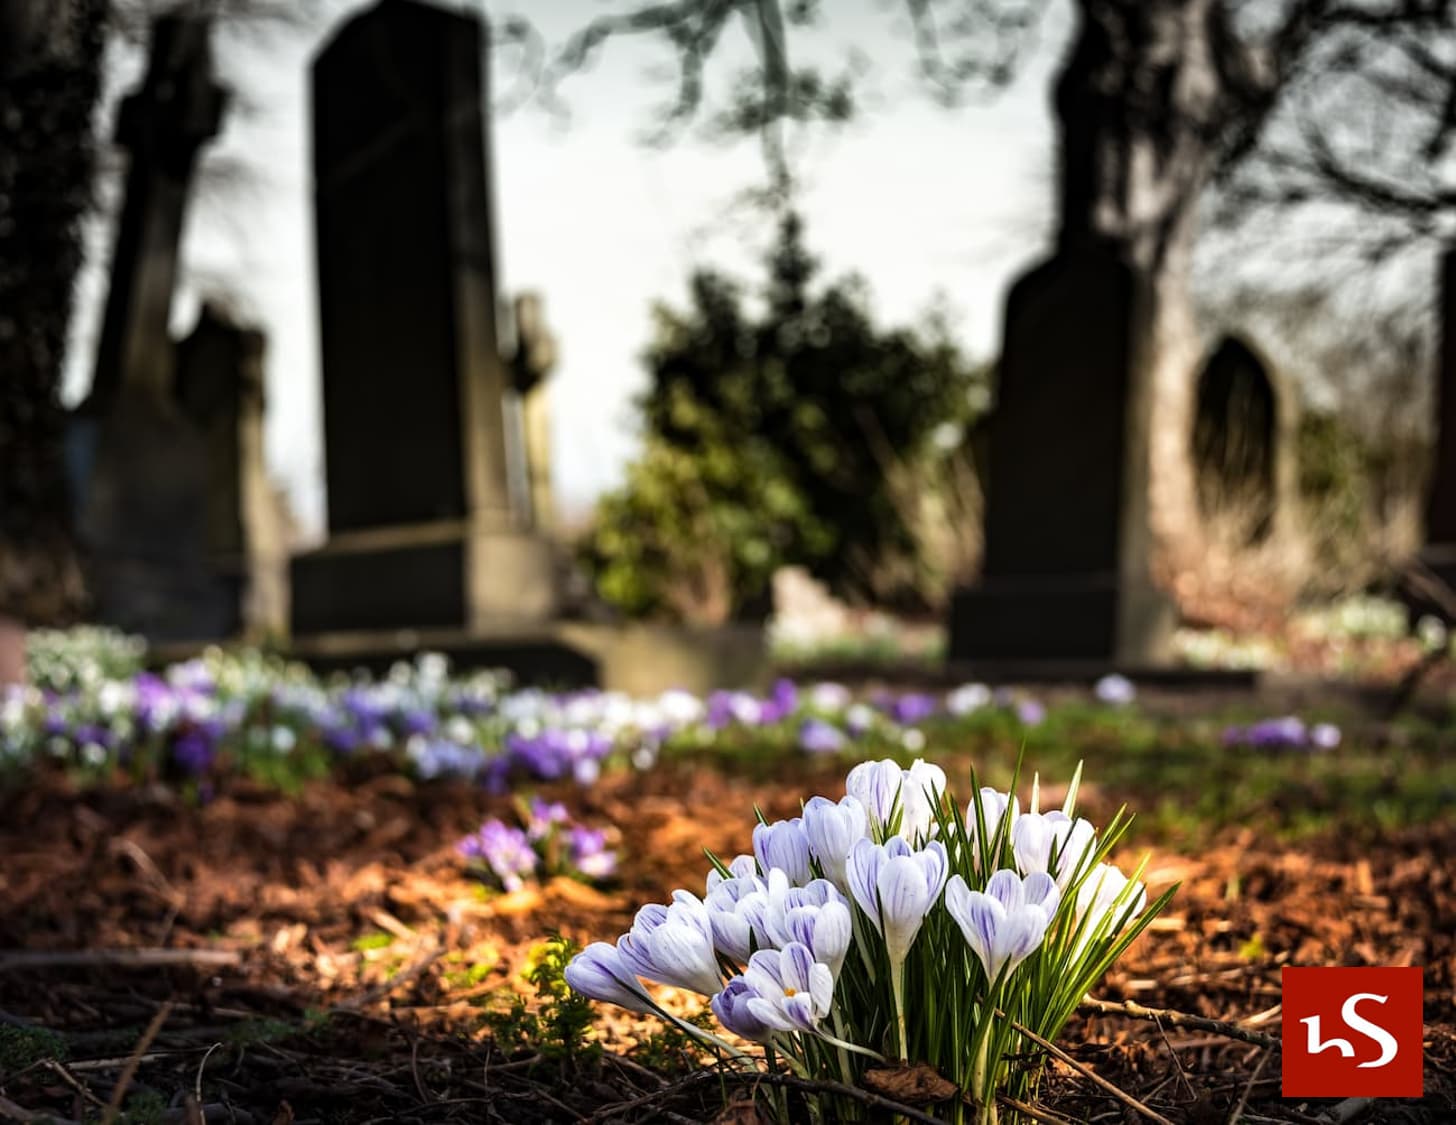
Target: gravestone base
512,575
1440,560
1062,620
426,577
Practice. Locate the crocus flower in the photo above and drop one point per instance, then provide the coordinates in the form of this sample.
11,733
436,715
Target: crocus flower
543,817
504,850
1114,689
896,886
912,708
818,737
1052,842
1004,924
1099,893
588,852
992,804
967,698
793,992
824,928
741,868
1324,736
877,786
1031,712
736,915
784,845
674,945
829,697
831,830
731,1006
599,972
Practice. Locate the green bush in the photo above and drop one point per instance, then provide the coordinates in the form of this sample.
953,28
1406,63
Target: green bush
800,434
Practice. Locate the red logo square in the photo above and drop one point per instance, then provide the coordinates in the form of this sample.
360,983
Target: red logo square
1353,1033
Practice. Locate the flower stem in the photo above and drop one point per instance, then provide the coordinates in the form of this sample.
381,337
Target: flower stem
897,987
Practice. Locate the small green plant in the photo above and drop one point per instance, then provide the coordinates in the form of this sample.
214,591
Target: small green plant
556,1027
21,1047
145,1107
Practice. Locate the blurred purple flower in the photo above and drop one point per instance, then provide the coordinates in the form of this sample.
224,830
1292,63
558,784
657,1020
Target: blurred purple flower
818,737
1031,712
587,851
502,849
912,708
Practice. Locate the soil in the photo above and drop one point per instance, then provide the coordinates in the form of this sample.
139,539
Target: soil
245,917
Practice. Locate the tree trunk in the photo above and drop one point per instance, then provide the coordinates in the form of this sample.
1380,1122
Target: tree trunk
50,59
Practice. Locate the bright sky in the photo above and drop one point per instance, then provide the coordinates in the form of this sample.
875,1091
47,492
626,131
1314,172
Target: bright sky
925,202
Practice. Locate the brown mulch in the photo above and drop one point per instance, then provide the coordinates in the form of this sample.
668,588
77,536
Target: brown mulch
277,892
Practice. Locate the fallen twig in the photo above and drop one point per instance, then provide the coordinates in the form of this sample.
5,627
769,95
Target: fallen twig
115,958
12,1112
1180,1019
1087,1072
113,1107
1031,1111
1249,1088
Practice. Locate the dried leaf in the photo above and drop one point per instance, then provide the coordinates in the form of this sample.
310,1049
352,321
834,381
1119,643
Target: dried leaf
917,1085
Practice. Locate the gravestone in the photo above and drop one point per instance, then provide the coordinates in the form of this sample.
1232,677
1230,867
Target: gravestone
138,463
220,388
1236,437
423,532
1439,552
1064,578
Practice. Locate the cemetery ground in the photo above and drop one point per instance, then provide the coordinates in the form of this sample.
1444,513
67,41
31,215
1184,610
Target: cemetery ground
321,953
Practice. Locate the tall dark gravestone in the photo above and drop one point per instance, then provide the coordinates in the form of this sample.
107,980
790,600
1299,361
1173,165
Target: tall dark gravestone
138,462
1063,578
422,529
1439,552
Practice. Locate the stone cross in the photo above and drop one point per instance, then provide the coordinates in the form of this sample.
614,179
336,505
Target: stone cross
162,125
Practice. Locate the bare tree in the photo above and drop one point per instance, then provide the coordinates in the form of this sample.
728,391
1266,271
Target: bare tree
50,53
1157,101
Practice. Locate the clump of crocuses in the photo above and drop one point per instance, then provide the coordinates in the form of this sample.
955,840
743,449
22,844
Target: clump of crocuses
893,924
551,843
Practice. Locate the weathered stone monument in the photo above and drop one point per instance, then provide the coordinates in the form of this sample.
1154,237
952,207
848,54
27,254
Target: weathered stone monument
220,388
423,530
1236,439
1439,552
1064,578
138,462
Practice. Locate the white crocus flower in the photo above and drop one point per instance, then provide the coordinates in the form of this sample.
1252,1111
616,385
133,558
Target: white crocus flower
1004,924
992,804
1053,843
896,886
877,786
600,972
832,830
1103,899
783,845
673,945
792,991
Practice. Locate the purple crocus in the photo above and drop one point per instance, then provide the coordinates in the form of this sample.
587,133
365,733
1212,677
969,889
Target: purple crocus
912,708
818,737
504,850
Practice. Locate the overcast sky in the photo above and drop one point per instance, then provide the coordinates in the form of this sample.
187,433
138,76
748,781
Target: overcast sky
926,203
